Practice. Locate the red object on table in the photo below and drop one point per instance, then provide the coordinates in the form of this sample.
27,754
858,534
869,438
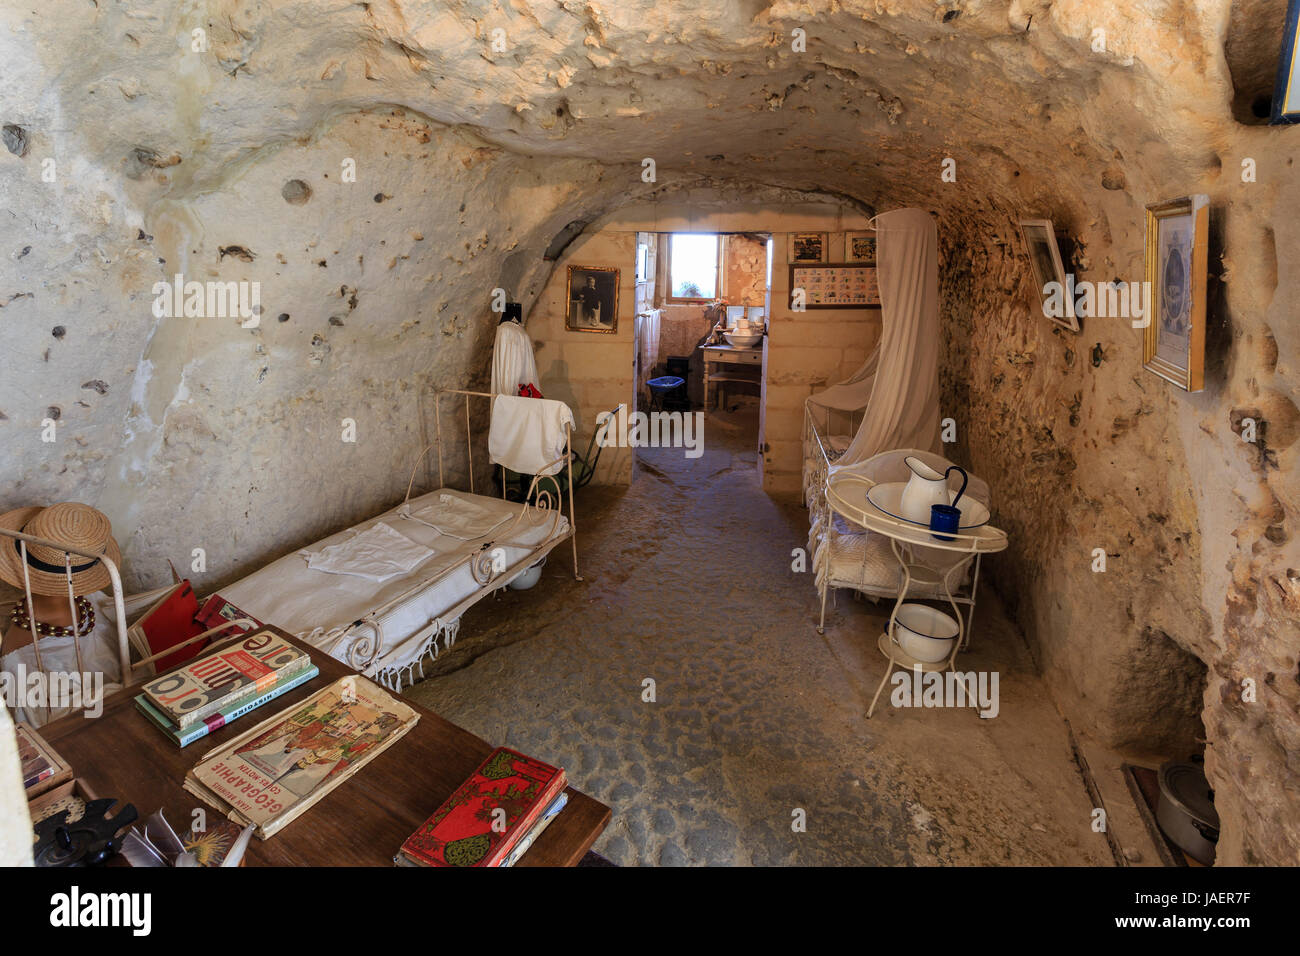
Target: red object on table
468,830
171,621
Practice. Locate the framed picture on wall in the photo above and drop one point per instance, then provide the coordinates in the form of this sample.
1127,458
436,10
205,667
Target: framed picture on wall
1177,266
807,247
1045,267
859,247
1286,89
592,299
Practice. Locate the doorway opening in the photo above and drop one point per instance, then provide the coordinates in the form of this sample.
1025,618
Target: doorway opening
703,301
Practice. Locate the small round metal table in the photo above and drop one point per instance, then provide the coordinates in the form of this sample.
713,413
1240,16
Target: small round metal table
846,494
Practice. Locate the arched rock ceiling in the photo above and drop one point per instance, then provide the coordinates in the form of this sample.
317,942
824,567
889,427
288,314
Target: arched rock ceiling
885,90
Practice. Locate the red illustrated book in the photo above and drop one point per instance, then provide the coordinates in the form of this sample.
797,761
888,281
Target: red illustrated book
468,830
216,610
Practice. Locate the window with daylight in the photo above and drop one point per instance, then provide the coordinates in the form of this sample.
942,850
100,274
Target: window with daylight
692,267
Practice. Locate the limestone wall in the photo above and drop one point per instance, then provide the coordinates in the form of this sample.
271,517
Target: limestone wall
1191,633
590,371
243,437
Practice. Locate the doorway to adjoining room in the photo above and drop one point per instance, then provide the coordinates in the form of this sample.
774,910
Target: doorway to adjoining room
703,302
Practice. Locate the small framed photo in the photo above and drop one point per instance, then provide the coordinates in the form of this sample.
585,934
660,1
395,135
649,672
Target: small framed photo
859,247
1046,268
1177,267
592,299
1286,89
808,246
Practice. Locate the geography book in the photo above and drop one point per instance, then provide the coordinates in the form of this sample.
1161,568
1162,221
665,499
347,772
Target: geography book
280,768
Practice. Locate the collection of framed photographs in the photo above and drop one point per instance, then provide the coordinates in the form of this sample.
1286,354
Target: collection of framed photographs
824,247
824,283
1175,287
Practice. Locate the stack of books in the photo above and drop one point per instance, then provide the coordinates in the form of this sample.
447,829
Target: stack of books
272,774
492,818
207,693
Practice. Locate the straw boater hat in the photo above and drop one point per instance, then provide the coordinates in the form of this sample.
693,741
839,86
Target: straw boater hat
75,525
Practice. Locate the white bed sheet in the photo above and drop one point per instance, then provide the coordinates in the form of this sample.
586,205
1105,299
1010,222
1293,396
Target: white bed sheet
315,605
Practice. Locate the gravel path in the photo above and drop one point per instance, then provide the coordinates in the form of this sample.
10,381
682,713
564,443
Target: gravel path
756,717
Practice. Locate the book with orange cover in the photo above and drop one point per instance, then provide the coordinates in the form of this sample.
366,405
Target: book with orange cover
488,814
202,687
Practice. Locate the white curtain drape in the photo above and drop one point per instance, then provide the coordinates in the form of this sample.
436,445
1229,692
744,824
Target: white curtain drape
854,392
903,407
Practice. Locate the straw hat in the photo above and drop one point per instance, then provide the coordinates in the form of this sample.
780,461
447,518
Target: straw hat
76,525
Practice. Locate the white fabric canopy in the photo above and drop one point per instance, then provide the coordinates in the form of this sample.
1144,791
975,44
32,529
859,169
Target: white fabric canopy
854,392
902,410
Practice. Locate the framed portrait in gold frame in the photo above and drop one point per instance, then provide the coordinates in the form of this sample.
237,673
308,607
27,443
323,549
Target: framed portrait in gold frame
591,299
1177,266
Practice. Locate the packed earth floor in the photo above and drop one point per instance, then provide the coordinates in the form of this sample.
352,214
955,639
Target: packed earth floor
758,724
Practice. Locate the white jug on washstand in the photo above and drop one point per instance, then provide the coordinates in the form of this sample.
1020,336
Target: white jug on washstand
926,487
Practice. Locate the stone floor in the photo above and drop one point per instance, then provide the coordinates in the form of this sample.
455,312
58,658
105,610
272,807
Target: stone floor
756,717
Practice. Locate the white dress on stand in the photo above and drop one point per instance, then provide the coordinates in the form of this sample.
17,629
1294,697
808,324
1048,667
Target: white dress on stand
513,363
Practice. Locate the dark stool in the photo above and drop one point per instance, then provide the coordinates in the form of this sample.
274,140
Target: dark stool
661,387
680,400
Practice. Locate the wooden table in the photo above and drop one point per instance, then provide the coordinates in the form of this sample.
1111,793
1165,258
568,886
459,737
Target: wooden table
362,823
729,363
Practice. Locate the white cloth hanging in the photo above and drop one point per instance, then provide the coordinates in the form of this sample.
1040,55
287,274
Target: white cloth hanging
528,435
513,362
903,408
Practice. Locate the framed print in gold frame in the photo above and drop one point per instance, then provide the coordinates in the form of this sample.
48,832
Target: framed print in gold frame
1177,266
1286,89
591,299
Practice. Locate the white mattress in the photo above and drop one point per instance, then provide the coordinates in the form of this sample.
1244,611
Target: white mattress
318,606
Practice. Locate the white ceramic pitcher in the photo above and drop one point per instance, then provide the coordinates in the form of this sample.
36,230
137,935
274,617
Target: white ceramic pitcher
926,487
